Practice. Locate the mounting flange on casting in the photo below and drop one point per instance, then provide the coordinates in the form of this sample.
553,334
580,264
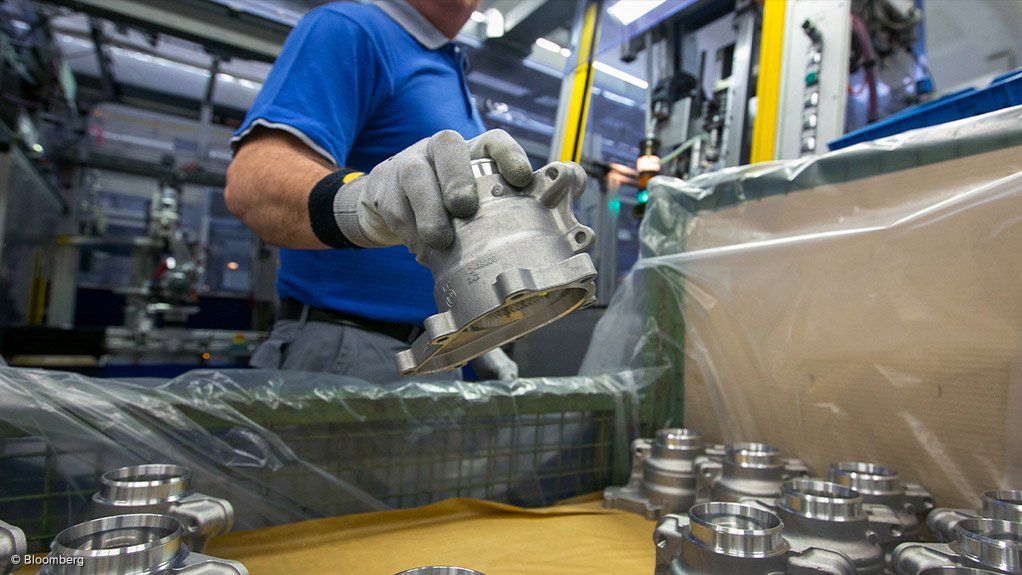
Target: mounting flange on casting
818,514
663,478
1004,505
12,543
990,544
748,470
723,537
139,544
879,485
515,266
166,490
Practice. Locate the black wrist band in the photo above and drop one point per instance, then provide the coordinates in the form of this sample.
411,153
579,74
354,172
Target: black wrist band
321,210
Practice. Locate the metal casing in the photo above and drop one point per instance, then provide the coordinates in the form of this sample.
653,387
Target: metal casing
12,542
882,486
724,537
988,544
663,478
137,544
166,490
515,266
1005,505
748,470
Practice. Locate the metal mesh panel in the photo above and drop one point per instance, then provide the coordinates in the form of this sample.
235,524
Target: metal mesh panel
528,460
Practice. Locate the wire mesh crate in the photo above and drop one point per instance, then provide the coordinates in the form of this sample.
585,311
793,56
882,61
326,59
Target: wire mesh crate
285,460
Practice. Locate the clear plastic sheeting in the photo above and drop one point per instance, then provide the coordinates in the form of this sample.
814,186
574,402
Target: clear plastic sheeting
287,446
860,305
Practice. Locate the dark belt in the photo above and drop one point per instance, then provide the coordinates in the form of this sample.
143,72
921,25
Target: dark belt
292,309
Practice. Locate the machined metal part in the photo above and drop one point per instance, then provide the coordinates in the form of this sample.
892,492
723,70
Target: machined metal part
440,570
663,478
164,489
990,544
819,514
724,537
956,571
136,544
879,485
12,543
1004,505
748,470
518,264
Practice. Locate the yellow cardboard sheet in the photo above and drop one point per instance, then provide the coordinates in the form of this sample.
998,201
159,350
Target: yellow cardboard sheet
489,537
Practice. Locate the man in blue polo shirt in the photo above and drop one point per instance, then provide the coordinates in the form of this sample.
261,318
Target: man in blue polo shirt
354,85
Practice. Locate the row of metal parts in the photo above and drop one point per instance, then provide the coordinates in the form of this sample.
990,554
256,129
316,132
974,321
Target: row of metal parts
742,508
147,520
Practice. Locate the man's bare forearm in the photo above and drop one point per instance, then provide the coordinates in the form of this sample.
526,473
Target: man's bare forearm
268,185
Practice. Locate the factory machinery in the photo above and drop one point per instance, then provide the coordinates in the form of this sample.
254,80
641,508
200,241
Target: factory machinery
743,508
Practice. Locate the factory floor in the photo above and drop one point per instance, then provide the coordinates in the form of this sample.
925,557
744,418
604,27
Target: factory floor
580,537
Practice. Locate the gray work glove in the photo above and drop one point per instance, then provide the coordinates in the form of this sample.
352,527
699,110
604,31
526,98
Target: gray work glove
495,364
411,197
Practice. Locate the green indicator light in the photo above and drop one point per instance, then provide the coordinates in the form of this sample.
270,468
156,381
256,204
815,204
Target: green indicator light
614,205
642,197
811,78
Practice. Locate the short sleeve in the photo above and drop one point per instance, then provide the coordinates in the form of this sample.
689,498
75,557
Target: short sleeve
323,86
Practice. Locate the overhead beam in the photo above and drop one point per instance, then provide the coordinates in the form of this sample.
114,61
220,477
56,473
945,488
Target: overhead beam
157,170
222,30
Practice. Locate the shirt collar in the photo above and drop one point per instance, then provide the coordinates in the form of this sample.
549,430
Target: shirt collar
414,23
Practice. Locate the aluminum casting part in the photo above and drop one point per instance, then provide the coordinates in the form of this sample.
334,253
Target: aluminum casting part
440,570
956,571
736,530
145,485
1004,505
748,470
722,537
990,543
879,485
882,486
818,514
663,477
164,489
12,542
866,478
759,455
516,265
137,544
818,499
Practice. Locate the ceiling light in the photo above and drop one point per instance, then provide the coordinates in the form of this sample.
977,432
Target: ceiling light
620,75
548,45
628,11
478,16
494,23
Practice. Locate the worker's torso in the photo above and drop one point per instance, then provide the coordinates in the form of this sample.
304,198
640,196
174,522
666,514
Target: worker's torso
428,95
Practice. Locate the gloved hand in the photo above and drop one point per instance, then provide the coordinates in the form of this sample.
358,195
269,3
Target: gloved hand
495,364
411,197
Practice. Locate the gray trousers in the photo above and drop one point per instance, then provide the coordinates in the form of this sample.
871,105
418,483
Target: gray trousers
297,344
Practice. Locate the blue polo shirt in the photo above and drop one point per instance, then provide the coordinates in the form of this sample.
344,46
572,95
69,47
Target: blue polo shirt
359,83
